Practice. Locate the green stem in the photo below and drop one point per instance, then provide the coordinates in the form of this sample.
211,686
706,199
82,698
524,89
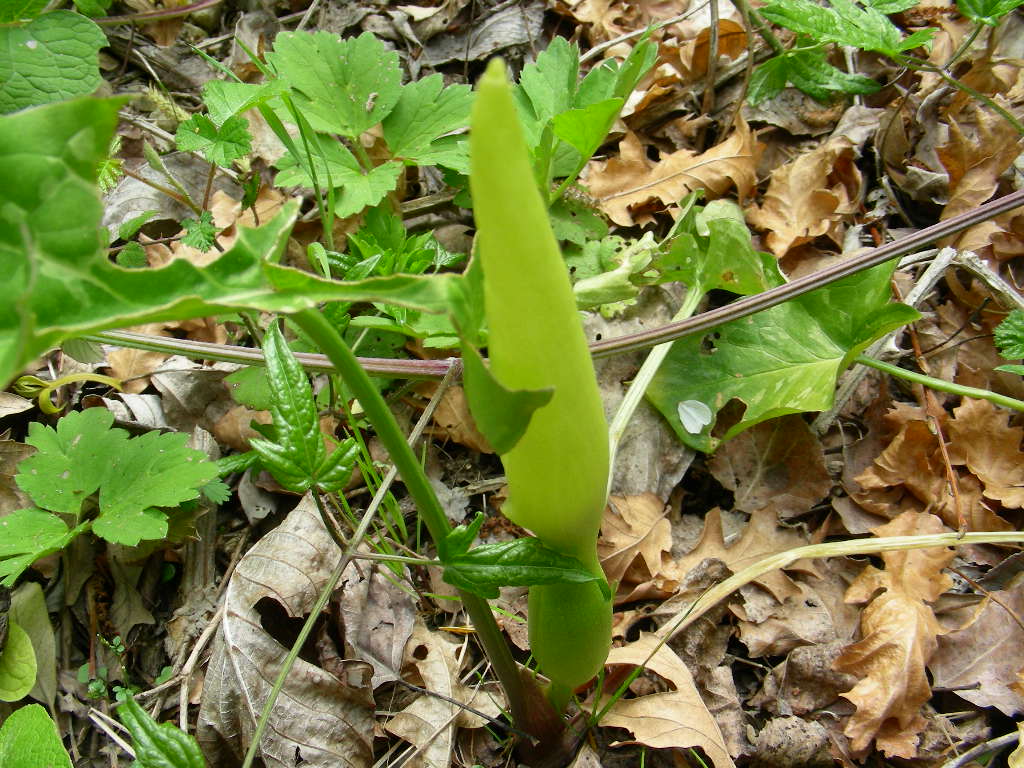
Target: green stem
762,27
415,479
940,385
964,46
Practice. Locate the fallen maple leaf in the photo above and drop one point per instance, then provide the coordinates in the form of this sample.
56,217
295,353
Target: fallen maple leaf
635,535
627,184
677,718
809,197
982,439
899,634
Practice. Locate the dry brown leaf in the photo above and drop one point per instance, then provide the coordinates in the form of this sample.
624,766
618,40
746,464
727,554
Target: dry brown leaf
989,652
635,535
430,723
625,186
674,719
982,439
454,421
809,197
899,634
693,55
762,537
321,719
778,462
974,164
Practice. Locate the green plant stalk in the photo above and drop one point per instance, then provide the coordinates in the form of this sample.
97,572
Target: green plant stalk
763,28
941,385
558,470
415,479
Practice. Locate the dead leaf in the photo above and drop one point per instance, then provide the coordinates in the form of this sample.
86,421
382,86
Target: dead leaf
454,421
635,536
778,462
320,719
133,366
674,719
11,404
899,634
989,652
762,537
809,197
982,439
625,186
732,41
430,723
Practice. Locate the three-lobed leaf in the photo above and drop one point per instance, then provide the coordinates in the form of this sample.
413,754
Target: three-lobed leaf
809,71
221,144
988,12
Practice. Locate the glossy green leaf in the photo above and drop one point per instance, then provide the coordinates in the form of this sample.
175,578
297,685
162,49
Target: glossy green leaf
783,360
461,537
29,534
219,144
29,739
158,745
339,86
49,59
988,12
28,609
520,562
297,456
17,664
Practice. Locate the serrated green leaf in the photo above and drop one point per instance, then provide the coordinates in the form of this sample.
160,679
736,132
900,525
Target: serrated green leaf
768,80
335,471
225,99
50,59
29,739
845,23
1012,368
29,534
21,10
158,745
131,256
1009,336
783,360
576,222
987,11
221,145
548,85
520,563
201,233
340,86
809,71
17,664
425,111
461,537
236,462
71,461
586,128
216,491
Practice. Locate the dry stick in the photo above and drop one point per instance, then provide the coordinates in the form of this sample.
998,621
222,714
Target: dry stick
627,343
328,589
190,665
109,726
1000,742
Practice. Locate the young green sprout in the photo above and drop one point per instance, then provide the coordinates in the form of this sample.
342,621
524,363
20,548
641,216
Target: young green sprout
558,470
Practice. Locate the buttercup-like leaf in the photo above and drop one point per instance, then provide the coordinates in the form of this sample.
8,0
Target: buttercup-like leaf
27,535
221,145
425,111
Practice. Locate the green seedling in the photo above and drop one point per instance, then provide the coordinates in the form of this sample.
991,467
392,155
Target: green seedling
558,469
97,478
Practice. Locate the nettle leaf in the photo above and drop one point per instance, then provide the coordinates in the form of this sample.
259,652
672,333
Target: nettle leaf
340,86
809,71
29,737
17,664
158,745
29,534
334,165
1010,336
132,475
201,233
783,360
424,112
987,11
221,145
845,23
517,563
297,457
49,59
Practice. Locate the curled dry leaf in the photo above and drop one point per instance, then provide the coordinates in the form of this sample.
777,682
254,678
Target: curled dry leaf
430,723
627,185
673,719
989,652
899,634
635,540
320,719
809,197
983,440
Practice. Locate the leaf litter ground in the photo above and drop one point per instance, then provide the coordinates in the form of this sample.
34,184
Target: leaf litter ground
911,655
